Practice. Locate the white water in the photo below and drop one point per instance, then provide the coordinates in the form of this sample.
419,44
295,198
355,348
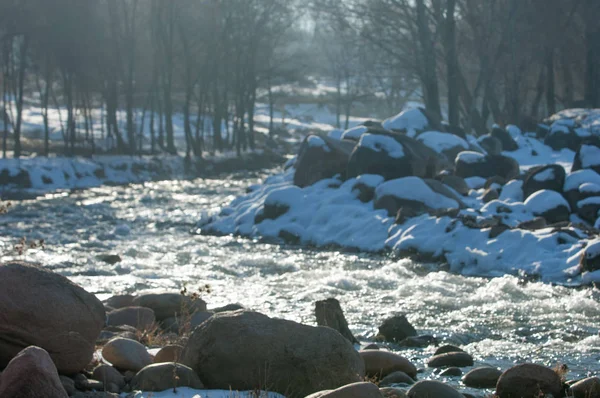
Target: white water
500,321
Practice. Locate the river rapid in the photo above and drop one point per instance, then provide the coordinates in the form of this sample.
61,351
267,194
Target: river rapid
499,321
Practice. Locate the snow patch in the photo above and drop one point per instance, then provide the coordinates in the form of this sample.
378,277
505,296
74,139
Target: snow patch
379,143
545,200
414,188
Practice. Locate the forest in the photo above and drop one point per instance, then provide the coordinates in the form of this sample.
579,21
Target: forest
472,62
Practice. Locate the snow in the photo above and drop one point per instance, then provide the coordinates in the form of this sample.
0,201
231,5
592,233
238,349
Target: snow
512,192
580,177
335,133
370,180
440,142
410,120
379,143
589,187
186,392
546,175
589,156
354,133
475,182
593,249
514,131
414,188
314,141
470,157
545,200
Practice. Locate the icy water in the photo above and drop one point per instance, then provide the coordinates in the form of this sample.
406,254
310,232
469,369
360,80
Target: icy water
500,321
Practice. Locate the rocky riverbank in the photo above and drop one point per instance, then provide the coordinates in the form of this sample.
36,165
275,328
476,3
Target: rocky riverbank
71,344
32,176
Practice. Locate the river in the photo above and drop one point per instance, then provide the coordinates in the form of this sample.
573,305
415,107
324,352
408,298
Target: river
500,321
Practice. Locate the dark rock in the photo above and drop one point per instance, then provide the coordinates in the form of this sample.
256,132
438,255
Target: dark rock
20,180
68,384
490,144
586,388
536,223
489,195
228,307
372,346
590,260
508,143
457,359
301,359
320,158
111,259
380,363
164,376
447,348
588,209
390,392
484,377
329,313
561,136
109,375
588,156
120,301
397,328
550,177
451,372
432,388
166,305
397,377
495,182
528,380
456,183
418,341
497,230
62,318
486,166
141,318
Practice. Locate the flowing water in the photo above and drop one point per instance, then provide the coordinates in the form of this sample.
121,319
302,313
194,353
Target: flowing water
500,321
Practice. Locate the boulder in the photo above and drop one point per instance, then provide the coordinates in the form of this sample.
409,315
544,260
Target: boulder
587,157
164,376
528,380
391,392
457,183
432,388
580,185
62,318
329,313
354,390
490,144
590,258
397,377
354,133
586,388
141,318
473,164
169,353
31,374
126,354
508,143
445,144
451,372
551,177
320,158
228,307
397,328
258,351
562,135
413,121
365,186
107,375
393,156
549,204
379,364
166,305
588,209
67,383
489,195
278,202
456,359
447,348
483,377
120,301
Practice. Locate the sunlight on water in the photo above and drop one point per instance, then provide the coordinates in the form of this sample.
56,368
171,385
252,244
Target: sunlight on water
500,321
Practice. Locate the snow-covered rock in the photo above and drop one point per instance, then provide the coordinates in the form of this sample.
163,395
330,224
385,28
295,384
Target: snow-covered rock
444,143
550,177
354,133
507,141
587,157
410,121
549,204
473,164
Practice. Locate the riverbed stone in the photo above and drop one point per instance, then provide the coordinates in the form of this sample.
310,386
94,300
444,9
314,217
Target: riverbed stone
167,305
31,374
447,348
397,328
528,380
482,377
126,354
62,318
293,359
381,363
169,353
108,375
456,359
163,376
141,318
586,388
392,392
432,388
68,384
397,377
451,372
120,301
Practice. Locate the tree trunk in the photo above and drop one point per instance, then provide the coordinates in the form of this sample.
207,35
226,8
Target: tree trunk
20,93
271,107
550,90
452,65
428,73
592,83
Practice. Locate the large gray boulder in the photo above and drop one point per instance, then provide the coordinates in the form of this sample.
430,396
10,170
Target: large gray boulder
529,380
41,308
473,164
320,158
168,305
245,350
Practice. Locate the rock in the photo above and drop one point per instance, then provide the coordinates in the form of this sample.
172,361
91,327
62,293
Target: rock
445,144
551,177
432,388
457,183
550,205
329,313
508,143
397,377
166,305
397,328
528,380
490,144
413,121
95,394
389,392
473,164
121,301
489,195
483,377
174,325
588,156
381,363
562,136
68,384
393,156
111,259
320,158
31,374
164,376
126,354
588,209
418,341
109,375
536,223
372,346
80,381
95,385
62,318
141,318
451,372
228,307
586,388
498,230
301,359
447,348
354,390
457,359
590,259
169,353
